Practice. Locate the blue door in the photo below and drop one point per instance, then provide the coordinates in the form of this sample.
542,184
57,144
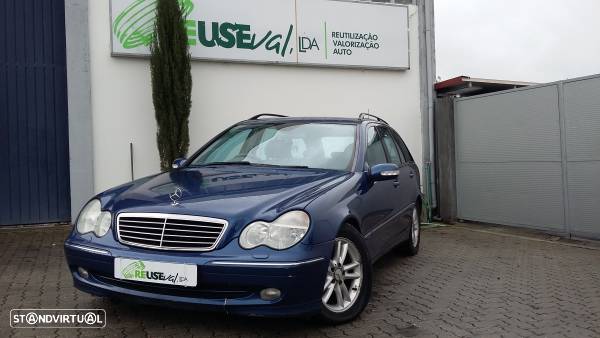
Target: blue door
34,145
380,206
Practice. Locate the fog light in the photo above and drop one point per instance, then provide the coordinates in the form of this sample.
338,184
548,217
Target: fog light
83,272
270,294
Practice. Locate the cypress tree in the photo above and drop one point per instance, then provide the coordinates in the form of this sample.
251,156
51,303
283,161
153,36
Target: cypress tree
171,82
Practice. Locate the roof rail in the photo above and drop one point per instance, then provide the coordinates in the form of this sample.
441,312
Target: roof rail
265,115
365,116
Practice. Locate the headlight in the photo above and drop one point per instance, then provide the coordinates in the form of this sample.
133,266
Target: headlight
93,219
280,234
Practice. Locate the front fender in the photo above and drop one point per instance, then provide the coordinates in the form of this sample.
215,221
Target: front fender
331,210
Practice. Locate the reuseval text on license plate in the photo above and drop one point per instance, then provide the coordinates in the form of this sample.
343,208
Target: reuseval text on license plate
156,272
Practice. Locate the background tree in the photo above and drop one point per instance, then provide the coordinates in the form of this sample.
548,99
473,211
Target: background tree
171,82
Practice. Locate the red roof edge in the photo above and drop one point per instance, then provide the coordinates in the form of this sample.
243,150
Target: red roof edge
451,82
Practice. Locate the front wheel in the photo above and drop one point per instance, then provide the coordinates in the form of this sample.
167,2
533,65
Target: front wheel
347,288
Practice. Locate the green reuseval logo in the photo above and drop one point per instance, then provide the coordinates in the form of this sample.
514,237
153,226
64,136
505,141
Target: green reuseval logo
135,25
134,270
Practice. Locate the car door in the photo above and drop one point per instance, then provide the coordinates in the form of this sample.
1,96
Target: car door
410,162
405,184
379,210
414,184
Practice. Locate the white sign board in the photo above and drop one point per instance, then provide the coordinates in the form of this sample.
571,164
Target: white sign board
303,32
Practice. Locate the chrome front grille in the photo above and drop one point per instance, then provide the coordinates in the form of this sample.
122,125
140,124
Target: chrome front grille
170,232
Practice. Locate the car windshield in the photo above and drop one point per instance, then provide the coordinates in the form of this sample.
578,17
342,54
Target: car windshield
307,145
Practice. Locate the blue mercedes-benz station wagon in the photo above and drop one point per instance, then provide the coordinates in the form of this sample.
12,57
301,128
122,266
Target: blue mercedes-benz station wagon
275,216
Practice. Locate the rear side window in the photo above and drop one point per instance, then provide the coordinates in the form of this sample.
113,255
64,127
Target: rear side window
407,156
391,147
375,151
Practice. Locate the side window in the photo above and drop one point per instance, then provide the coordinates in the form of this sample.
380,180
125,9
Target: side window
375,151
391,147
404,148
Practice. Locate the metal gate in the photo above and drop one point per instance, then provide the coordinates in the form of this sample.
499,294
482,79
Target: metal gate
531,157
34,150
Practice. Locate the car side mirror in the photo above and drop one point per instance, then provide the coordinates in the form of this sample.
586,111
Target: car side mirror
178,163
384,172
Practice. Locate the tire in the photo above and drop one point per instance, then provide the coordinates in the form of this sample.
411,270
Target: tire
411,247
356,279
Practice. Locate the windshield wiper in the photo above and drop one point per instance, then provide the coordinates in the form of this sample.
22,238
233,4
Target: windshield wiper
281,166
226,163
253,164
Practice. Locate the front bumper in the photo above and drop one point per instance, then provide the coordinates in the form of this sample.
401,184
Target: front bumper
227,283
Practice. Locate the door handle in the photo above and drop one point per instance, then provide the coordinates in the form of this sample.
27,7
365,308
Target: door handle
412,175
396,184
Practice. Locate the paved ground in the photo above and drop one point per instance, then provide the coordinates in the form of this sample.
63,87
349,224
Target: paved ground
467,281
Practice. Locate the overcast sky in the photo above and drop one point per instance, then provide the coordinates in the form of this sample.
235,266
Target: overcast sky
523,40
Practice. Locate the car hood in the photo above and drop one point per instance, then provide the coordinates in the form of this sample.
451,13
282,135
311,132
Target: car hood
239,194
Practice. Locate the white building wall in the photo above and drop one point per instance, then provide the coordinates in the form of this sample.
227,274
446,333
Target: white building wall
225,93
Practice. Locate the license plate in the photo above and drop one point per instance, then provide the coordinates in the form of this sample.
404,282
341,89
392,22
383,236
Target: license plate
156,272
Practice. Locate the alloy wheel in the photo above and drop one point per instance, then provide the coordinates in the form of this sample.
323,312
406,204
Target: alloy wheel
416,228
344,276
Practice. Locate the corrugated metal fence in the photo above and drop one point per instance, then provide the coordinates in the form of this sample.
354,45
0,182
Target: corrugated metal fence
34,152
531,157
